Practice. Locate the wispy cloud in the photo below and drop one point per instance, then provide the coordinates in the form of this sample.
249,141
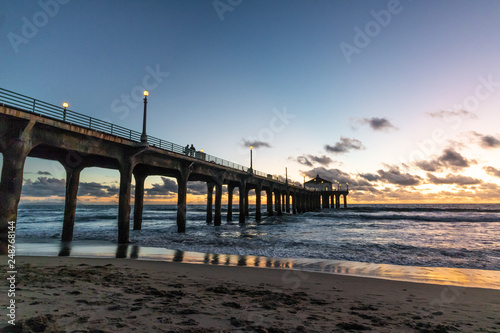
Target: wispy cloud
345,145
451,115
308,160
395,176
492,171
487,141
376,123
255,144
47,187
453,179
449,159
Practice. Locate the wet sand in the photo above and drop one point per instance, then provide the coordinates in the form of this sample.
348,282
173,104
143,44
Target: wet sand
57,294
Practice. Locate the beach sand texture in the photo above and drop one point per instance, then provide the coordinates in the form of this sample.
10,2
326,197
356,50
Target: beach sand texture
61,294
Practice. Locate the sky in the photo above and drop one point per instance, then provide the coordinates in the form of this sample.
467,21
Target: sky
398,98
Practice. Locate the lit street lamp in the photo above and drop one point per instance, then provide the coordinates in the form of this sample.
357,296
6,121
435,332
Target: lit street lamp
347,184
65,106
144,137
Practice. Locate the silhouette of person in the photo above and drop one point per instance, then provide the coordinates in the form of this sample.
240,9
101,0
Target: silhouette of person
193,149
186,149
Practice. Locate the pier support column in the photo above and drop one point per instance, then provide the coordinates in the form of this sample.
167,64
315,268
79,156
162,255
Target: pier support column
139,200
287,205
269,198
298,202
294,203
242,194
210,191
247,210
277,203
337,201
258,214
182,180
15,150
124,202
345,200
72,182
282,198
326,201
230,189
218,204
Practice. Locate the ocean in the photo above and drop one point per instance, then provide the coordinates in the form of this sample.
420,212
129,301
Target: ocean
452,236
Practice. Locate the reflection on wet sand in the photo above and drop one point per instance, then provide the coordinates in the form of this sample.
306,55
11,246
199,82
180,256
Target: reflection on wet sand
435,275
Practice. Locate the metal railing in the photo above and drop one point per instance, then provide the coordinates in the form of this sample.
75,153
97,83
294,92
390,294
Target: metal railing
41,108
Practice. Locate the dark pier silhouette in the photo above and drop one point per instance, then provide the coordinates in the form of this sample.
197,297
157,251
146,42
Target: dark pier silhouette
33,128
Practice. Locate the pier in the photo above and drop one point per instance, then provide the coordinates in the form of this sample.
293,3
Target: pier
33,128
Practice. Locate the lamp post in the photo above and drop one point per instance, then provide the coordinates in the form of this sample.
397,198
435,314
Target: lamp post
286,175
65,106
347,184
144,137
251,159
304,181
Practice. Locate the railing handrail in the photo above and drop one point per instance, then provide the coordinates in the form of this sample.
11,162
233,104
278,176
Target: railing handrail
41,108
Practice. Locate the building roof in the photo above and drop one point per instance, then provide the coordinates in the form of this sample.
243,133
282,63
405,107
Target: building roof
318,180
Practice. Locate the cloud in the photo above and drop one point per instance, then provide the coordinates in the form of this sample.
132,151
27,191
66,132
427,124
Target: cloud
378,124
308,160
449,159
304,161
344,146
492,171
336,175
487,141
432,166
370,177
197,188
452,115
395,176
168,187
332,175
255,144
97,190
47,187
453,179
44,173
44,187
454,160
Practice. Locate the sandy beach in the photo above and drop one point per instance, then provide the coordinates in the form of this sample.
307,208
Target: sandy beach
61,294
